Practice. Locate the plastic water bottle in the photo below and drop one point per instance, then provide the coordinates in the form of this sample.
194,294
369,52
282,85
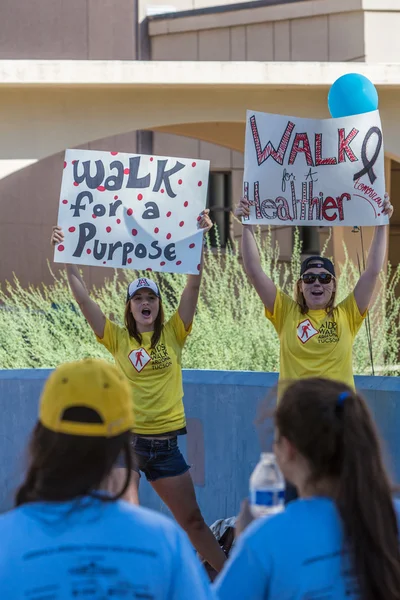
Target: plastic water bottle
267,487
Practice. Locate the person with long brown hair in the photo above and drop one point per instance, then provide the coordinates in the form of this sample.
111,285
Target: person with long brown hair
316,334
148,351
344,532
68,537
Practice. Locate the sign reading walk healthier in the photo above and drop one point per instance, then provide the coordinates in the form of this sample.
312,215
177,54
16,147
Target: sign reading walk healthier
133,211
314,172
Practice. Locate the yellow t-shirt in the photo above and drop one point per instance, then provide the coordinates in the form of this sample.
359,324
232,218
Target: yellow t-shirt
315,344
155,375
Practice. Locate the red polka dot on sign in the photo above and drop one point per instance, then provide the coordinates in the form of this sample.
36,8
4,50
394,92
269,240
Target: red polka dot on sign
101,188
60,248
198,267
76,183
113,153
185,204
193,164
199,218
118,221
71,229
162,263
149,269
134,231
181,224
162,190
115,197
151,159
180,181
65,201
129,212
88,251
140,197
104,262
178,262
74,162
156,230
126,171
169,213
169,236
379,214
200,183
108,229
192,245
94,216
129,261
65,164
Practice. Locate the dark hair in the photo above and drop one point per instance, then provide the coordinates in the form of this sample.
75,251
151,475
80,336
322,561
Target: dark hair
339,440
302,304
64,467
131,326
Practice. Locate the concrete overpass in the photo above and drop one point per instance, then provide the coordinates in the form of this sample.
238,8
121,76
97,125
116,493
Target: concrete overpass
46,106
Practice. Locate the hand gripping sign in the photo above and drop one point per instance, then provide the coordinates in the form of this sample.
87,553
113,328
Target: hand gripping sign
314,172
132,211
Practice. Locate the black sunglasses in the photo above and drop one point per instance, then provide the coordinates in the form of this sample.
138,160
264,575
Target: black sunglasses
312,277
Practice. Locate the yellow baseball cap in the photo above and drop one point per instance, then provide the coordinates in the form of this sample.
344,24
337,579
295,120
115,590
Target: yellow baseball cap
88,397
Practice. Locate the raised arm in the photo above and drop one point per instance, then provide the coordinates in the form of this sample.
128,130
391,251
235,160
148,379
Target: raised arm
190,295
263,285
376,258
90,310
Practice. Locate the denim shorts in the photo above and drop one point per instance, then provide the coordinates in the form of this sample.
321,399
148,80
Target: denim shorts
156,458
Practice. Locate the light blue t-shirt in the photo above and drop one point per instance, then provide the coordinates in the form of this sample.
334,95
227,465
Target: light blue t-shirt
96,551
296,555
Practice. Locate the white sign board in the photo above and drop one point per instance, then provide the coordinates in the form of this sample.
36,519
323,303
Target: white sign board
133,211
314,172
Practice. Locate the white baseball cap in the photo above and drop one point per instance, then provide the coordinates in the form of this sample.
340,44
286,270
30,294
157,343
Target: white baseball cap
142,283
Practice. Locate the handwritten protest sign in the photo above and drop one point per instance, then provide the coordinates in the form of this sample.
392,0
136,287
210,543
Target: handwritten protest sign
314,172
133,211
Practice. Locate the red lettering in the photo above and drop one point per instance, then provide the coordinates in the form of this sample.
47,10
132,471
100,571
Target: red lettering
283,209
344,145
329,204
301,144
269,150
339,201
319,161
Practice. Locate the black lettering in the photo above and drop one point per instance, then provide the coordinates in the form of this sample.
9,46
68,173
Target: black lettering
113,207
113,247
99,254
140,251
157,248
126,249
163,176
99,210
169,252
152,211
134,181
91,182
87,231
79,204
114,182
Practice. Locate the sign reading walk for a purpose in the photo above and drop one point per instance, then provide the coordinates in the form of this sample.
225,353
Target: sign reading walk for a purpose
132,211
314,172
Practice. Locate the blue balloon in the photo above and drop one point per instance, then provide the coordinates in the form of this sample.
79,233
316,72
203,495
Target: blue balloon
352,94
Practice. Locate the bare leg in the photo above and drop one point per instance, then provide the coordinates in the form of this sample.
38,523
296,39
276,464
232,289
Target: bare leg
117,480
179,495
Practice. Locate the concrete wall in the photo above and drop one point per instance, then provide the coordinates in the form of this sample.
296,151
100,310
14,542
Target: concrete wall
222,444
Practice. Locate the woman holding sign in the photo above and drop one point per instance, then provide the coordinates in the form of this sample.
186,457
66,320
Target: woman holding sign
148,352
316,336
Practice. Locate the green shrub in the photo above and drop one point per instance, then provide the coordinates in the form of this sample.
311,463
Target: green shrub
42,327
